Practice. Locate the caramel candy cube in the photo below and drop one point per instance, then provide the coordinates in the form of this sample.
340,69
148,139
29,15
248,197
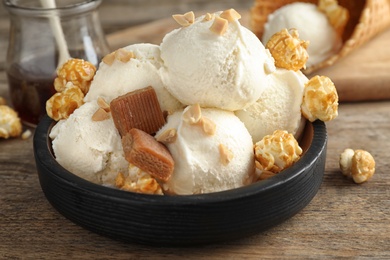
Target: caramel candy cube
145,152
137,109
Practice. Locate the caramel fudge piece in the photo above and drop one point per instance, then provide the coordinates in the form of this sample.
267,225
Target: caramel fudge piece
145,152
137,109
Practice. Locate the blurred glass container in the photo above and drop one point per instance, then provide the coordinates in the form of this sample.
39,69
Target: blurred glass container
35,46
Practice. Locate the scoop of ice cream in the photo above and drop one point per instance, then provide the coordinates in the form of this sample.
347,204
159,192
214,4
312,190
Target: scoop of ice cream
211,148
312,25
120,77
279,107
226,71
87,148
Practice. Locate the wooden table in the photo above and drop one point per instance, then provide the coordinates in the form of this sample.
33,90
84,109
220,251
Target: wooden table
345,220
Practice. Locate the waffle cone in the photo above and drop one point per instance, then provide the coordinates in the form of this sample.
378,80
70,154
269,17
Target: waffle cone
367,19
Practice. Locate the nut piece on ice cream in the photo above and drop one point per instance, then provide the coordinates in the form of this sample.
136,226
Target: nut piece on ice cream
62,104
207,161
279,107
117,76
184,19
10,124
288,50
137,109
320,99
276,152
313,26
357,164
218,70
77,71
87,148
143,151
138,181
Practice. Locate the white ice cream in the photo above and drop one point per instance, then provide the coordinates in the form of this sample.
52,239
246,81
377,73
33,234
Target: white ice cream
278,108
89,149
120,78
198,167
312,26
221,71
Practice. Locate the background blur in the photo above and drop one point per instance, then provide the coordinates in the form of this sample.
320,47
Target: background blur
120,14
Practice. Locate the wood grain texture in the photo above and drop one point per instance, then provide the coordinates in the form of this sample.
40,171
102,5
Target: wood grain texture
344,220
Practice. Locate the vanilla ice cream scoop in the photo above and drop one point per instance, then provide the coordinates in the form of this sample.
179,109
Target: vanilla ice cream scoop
278,108
211,148
312,25
225,70
87,148
140,71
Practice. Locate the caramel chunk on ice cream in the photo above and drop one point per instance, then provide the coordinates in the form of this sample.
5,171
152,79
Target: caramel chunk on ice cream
137,109
145,152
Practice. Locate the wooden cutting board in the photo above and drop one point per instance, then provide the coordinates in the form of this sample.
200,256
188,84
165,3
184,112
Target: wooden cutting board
363,75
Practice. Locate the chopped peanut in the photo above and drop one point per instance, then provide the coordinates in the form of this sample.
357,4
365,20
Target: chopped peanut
61,105
103,104
208,126
320,99
357,164
168,136
230,15
226,154
208,17
121,55
192,114
288,50
77,71
10,124
184,19
219,26
277,152
100,115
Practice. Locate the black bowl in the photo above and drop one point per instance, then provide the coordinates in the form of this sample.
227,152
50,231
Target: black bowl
182,220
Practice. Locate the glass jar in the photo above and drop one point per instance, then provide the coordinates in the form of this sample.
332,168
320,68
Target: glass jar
42,36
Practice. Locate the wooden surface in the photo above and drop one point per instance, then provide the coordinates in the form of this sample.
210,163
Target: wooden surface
345,220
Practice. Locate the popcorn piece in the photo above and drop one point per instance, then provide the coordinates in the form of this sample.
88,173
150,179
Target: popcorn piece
138,181
77,71
226,154
26,134
10,124
320,99
137,109
121,55
3,101
288,50
338,16
231,15
357,164
277,152
219,26
61,105
142,150
184,19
